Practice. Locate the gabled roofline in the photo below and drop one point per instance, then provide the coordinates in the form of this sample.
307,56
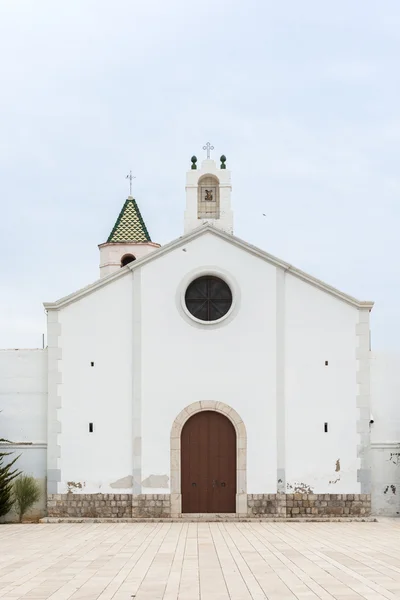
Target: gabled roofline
199,231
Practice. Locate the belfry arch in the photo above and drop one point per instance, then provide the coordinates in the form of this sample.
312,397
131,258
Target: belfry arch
208,201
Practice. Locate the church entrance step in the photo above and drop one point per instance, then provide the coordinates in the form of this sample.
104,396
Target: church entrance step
210,518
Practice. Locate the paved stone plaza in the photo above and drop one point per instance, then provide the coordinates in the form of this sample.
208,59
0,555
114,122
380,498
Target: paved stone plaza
282,561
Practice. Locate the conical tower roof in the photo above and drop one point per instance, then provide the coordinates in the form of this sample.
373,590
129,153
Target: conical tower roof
129,227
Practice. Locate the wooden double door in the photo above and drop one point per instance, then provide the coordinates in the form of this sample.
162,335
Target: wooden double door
208,464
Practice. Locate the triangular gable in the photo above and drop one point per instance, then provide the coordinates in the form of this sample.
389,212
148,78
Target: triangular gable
207,228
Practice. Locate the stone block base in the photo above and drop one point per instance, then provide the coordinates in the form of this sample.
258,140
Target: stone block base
289,506
282,506
89,505
266,505
151,505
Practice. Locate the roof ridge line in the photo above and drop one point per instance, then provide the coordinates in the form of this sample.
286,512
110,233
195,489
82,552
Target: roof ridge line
137,264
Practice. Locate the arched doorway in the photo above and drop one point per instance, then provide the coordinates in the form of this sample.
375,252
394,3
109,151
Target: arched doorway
208,464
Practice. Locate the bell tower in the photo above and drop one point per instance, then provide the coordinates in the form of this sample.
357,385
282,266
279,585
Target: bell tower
208,194
128,240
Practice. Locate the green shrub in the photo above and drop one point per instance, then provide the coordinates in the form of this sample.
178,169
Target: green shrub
26,493
7,475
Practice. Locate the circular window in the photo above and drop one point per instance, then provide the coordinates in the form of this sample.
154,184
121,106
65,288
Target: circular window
208,298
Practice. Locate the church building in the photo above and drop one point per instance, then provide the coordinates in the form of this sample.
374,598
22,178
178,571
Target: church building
204,376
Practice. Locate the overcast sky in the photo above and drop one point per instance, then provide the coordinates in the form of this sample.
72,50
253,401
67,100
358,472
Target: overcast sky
301,96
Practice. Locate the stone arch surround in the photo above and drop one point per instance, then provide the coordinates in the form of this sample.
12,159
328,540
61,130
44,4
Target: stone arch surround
241,453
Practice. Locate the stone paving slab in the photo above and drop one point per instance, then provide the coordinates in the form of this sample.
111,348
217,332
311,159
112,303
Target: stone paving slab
207,561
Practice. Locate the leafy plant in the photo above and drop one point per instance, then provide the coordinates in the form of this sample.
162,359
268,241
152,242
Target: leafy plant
7,476
26,493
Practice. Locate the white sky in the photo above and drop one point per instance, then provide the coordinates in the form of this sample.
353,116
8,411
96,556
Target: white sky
301,96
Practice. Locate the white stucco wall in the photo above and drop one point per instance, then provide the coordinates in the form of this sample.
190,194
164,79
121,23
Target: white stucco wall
233,363
273,351
97,328
319,328
23,395
385,433
23,405
151,361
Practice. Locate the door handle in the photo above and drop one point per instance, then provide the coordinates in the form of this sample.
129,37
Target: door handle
194,484
223,484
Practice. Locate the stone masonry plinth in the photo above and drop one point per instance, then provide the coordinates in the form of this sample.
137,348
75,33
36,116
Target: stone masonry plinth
89,505
266,505
328,505
282,506
308,505
151,505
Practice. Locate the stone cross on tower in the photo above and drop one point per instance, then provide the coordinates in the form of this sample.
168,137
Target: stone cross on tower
130,177
208,147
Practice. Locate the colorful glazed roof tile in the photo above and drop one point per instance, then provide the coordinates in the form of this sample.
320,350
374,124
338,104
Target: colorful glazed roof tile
129,227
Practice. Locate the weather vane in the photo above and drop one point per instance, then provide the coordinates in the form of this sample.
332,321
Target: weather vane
130,177
208,147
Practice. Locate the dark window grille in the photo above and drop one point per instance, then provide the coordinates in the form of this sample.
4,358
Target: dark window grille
208,298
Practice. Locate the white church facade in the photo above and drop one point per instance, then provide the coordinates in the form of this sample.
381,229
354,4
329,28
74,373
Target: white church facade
202,376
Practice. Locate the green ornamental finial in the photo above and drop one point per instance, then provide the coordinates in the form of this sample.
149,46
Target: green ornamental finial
194,161
223,161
